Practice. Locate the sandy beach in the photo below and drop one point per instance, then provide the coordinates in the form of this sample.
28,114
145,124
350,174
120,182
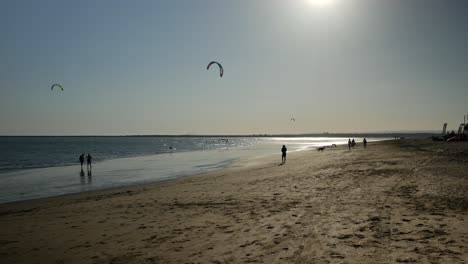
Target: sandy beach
402,201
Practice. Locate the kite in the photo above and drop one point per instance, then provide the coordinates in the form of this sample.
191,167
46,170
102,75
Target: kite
58,85
221,70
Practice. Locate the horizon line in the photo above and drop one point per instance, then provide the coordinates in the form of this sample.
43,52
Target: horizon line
408,132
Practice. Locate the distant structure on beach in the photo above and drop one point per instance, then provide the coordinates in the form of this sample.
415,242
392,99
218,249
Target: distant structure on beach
460,135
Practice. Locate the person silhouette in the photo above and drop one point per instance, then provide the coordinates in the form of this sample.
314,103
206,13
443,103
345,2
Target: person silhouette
283,154
81,160
88,161
364,142
353,143
349,144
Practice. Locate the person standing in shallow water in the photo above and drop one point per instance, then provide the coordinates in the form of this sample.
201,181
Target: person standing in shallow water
283,154
349,144
364,142
82,160
88,161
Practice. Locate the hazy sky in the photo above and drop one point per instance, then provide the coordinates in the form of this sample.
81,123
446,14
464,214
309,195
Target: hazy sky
139,67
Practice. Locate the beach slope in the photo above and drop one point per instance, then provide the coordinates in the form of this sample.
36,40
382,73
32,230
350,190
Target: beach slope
402,201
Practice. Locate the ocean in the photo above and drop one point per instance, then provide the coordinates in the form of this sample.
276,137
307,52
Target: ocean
37,167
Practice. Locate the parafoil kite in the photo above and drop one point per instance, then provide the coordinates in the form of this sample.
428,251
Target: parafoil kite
221,70
58,85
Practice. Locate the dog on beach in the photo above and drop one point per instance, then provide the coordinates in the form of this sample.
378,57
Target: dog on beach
321,149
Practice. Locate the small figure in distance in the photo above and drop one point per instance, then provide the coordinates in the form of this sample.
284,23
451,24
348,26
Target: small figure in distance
364,142
88,161
349,143
81,160
353,143
283,154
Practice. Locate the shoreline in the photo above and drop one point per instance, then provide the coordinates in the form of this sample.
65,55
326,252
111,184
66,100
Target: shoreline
382,204
56,181
105,156
226,165
105,171
112,189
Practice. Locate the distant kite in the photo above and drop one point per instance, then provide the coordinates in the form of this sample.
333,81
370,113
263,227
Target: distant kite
221,70
58,85
292,119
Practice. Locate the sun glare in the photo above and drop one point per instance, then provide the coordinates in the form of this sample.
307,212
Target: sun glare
321,3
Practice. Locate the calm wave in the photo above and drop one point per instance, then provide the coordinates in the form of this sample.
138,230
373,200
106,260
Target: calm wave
19,153
37,167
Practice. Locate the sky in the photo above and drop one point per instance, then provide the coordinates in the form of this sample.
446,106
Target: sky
139,67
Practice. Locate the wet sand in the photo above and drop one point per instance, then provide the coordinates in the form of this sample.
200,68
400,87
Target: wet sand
403,201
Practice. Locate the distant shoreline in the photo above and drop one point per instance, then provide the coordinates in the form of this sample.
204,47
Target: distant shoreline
373,134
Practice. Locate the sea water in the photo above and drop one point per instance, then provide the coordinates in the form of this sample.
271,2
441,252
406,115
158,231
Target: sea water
37,167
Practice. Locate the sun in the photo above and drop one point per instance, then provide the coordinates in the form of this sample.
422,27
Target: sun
321,3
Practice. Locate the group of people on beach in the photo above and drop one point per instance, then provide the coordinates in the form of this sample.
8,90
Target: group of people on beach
352,143
89,158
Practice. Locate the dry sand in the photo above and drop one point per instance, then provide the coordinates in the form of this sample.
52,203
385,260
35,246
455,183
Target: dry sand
400,201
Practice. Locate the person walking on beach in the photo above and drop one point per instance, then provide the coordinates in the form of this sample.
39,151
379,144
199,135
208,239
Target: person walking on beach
349,144
82,160
88,161
283,154
364,142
